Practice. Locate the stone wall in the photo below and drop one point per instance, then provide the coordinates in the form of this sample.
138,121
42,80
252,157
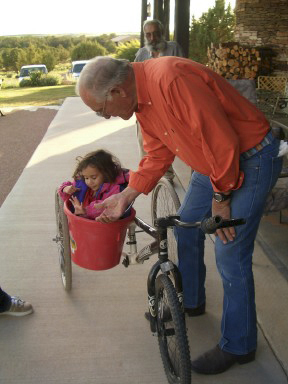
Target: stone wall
264,23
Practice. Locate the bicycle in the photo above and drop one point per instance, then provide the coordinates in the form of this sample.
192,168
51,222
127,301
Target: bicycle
164,284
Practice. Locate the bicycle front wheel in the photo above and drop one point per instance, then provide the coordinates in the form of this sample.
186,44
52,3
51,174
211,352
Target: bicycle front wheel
164,202
63,242
172,336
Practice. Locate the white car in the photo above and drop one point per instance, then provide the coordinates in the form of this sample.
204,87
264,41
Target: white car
77,67
26,70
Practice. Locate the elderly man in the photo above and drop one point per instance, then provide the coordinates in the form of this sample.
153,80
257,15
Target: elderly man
155,43
155,46
187,110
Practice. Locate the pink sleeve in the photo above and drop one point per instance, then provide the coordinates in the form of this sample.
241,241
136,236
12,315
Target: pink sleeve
64,196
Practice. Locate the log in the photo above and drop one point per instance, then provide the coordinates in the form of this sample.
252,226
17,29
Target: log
231,60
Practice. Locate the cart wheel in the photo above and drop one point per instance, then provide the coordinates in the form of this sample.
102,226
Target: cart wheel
63,241
164,202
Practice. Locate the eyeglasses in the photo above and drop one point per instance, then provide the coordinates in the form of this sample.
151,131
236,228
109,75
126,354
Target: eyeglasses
102,113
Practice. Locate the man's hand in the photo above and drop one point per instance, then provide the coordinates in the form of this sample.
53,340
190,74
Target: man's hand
114,206
223,209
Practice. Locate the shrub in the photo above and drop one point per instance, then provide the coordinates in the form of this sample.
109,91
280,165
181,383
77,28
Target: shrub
49,80
25,83
128,50
37,79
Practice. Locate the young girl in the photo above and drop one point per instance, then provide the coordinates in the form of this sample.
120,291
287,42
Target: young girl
97,176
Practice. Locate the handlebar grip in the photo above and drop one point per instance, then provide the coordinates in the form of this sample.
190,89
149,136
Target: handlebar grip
211,224
232,223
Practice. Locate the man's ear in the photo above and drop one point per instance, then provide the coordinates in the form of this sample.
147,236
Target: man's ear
118,91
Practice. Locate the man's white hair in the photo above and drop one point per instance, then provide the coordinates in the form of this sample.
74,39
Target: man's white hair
101,74
154,22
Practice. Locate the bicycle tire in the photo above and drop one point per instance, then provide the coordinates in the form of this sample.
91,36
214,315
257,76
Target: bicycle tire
63,242
171,330
164,202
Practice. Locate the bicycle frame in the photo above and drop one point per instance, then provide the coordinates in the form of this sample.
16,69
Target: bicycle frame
163,263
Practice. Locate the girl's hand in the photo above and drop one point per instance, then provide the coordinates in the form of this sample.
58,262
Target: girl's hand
78,207
223,209
70,189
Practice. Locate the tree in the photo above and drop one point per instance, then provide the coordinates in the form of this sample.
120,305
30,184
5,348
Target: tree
13,59
106,41
215,26
127,50
87,50
49,58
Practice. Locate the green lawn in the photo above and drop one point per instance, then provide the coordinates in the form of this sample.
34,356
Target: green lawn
17,97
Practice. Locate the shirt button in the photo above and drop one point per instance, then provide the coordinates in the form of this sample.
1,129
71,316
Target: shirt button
230,185
165,133
149,103
177,150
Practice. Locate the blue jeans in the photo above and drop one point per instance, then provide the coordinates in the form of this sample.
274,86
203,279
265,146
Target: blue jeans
234,259
5,301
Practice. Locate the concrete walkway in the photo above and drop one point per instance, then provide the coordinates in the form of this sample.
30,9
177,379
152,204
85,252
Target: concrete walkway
97,333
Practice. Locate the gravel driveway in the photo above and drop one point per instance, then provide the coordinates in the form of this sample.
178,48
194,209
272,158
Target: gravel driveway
20,133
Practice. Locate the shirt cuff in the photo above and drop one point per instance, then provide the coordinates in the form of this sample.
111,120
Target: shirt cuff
140,183
219,186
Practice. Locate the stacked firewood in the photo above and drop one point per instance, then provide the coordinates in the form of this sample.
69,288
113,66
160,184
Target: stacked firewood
233,61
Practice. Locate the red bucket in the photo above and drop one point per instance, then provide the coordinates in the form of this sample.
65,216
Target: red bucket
95,245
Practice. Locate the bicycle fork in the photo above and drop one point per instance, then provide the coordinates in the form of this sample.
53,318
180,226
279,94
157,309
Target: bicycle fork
167,267
133,257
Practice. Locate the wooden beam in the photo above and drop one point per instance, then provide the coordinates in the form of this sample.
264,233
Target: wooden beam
158,10
162,12
181,24
144,16
166,19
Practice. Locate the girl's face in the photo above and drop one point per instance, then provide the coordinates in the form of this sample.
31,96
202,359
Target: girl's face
92,177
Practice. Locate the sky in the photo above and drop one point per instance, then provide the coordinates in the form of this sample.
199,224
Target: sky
94,17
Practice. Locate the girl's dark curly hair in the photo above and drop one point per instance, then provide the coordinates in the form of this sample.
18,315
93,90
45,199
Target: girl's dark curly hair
104,161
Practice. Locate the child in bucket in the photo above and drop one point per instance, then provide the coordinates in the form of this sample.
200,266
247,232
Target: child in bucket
97,176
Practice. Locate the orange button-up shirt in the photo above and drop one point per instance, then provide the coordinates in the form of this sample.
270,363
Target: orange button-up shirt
186,109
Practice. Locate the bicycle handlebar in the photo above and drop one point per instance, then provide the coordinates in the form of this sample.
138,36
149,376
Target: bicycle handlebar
208,225
211,224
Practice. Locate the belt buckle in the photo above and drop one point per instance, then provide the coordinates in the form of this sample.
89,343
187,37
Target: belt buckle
258,147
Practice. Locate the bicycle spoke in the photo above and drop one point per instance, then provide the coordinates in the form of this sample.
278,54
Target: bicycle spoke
63,242
166,202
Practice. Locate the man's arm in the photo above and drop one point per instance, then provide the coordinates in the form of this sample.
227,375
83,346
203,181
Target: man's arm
142,55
